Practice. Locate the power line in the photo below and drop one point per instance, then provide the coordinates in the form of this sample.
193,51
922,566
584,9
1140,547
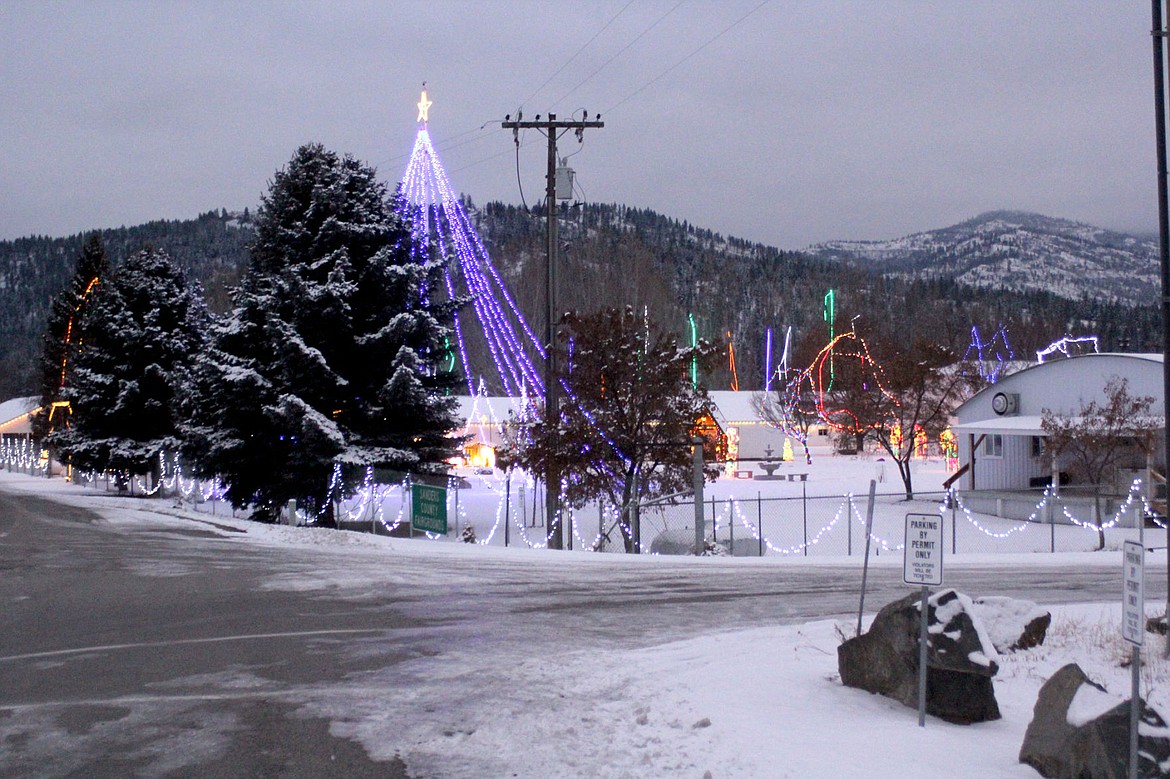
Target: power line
577,53
449,144
444,145
620,52
663,74
478,162
628,97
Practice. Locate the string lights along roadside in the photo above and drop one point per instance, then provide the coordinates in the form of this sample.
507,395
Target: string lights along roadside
369,502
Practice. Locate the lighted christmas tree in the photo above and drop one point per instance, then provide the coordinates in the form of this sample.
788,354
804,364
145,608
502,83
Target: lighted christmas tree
441,227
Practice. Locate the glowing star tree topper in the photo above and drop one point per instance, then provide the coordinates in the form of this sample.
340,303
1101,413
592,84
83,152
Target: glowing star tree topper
424,105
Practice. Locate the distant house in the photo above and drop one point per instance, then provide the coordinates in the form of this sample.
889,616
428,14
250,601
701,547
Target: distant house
733,419
756,439
484,418
999,433
16,417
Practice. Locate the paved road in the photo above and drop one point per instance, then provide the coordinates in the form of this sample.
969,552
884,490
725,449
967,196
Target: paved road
165,648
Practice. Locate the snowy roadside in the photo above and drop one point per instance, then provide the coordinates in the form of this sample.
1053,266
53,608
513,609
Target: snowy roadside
748,703
751,703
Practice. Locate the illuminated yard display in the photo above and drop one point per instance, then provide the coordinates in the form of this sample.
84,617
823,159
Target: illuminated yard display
768,360
731,363
59,410
442,228
852,351
1069,347
831,318
694,343
992,355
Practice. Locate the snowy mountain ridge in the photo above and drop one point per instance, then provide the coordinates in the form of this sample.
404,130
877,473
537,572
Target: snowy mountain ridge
1017,251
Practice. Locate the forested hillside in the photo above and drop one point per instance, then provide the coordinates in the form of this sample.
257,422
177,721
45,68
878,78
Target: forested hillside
617,255
1017,251
736,290
211,249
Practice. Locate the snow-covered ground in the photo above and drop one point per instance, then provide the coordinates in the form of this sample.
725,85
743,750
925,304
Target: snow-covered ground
753,703
821,512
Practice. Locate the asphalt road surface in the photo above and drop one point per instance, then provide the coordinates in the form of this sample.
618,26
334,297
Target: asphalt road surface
167,648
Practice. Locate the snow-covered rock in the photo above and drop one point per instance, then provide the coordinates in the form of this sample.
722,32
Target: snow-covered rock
1079,729
1012,623
961,658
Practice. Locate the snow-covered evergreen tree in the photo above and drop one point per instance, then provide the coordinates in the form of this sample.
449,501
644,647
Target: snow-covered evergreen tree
331,355
128,380
60,342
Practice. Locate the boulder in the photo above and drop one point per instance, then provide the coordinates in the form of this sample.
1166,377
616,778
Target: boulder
1079,730
960,658
1011,623
676,541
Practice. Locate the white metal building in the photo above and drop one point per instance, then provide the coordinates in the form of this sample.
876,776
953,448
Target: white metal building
16,416
1000,425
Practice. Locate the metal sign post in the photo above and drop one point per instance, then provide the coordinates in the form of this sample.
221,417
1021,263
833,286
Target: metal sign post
1133,630
922,564
868,536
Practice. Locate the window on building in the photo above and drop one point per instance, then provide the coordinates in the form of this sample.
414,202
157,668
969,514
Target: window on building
1037,446
993,445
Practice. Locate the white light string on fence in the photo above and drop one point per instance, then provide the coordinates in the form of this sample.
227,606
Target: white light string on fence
1024,524
881,542
368,502
1121,510
798,548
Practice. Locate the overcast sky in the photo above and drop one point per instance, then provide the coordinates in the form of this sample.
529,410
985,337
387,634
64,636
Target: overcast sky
804,122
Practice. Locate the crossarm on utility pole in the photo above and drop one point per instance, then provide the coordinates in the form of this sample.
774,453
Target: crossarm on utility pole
558,538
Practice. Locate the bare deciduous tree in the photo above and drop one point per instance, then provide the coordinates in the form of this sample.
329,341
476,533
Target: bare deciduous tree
1101,438
628,417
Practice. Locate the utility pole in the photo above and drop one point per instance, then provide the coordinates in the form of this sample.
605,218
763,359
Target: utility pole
553,128
1159,33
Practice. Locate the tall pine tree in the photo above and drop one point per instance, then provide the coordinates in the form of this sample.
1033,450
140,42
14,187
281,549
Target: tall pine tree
128,381
62,334
330,358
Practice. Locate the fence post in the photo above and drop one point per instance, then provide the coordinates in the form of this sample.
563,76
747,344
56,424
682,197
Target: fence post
697,480
760,520
1052,533
731,525
714,522
804,513
849,523
954,520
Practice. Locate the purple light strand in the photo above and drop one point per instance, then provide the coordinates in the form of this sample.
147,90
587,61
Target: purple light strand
425,184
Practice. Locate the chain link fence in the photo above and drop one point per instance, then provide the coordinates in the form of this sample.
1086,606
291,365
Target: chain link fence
836,525
490,511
